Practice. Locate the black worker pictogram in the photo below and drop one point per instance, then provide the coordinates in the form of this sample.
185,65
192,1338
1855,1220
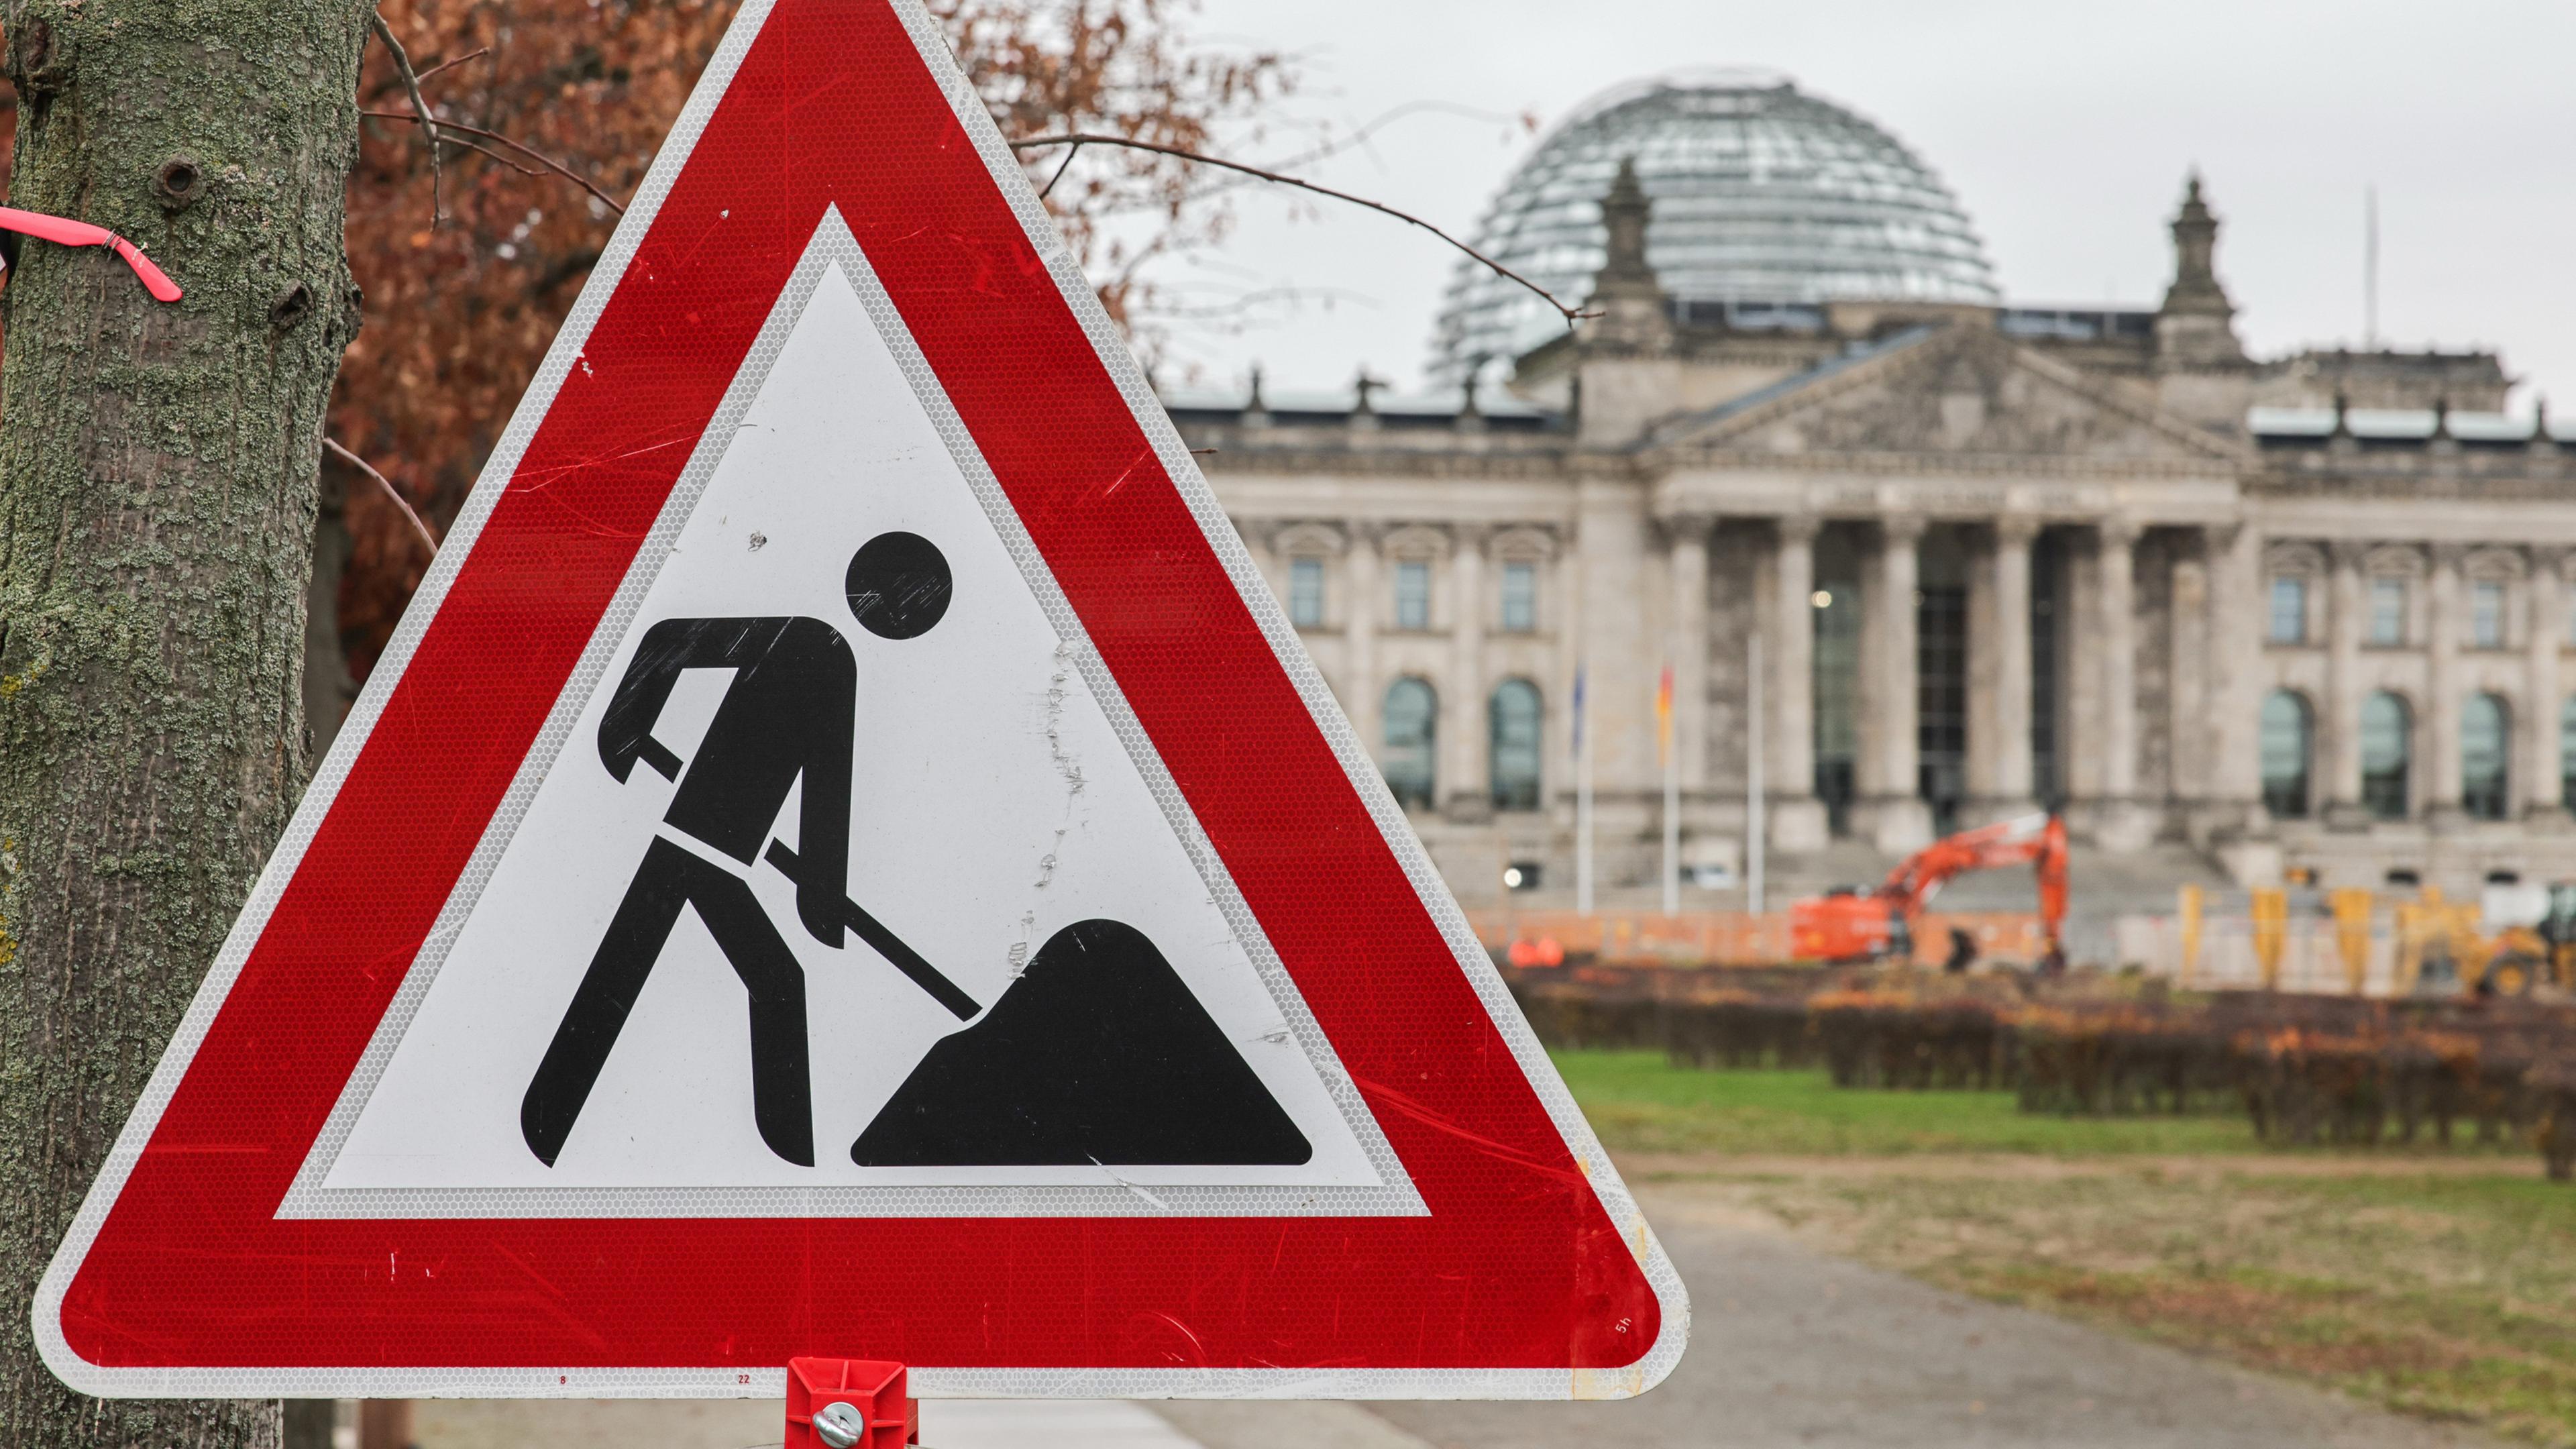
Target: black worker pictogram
1098,1052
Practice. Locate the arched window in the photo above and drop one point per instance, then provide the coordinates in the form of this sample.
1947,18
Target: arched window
2288,737
1412,728
2387,755
1512,725
2486,734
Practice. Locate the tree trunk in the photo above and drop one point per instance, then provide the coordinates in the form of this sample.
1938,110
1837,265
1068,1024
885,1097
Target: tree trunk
309,1422
157,498
328,689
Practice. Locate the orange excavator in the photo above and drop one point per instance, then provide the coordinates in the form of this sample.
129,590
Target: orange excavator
1848,926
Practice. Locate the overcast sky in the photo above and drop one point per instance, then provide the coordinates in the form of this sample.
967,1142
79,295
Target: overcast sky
2065,127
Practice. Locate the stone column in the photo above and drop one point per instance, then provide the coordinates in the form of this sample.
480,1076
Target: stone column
1689,645
2239,828
1561,614
2439,766
1622,649
2119,822
1465,736
2000,761
2081,671
2187,676
2236,672
2543,774
1893,813
1362,697
2338,718
1797,817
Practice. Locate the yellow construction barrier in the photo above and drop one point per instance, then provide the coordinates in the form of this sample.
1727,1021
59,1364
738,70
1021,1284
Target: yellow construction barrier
2352,910
2187,907
2271,909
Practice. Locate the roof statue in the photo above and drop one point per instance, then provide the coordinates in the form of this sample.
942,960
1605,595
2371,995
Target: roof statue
2195,327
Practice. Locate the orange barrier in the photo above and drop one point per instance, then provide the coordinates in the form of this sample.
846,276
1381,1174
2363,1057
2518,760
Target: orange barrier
1731,938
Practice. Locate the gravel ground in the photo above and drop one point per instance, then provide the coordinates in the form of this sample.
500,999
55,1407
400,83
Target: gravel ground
1792,1347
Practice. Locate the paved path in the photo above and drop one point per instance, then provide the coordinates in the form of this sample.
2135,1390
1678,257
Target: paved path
1791,1348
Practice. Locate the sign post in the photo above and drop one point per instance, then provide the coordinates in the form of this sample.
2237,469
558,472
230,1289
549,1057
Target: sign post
845,857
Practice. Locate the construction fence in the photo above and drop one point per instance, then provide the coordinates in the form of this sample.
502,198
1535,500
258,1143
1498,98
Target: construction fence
1729,938
2344,942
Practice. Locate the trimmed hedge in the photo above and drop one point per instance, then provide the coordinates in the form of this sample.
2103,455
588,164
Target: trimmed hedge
2306,1069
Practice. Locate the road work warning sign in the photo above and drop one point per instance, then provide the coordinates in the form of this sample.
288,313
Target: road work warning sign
845,857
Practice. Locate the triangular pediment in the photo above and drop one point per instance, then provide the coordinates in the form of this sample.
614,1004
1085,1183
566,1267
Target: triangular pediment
1951,392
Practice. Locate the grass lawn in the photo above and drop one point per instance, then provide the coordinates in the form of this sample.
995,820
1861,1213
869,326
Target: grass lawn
2443,1292
1639,1104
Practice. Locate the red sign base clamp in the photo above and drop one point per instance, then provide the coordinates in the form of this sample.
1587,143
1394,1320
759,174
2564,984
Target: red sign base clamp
849,1403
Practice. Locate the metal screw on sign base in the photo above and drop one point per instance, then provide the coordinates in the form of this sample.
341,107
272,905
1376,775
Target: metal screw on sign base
849,1403
840,1425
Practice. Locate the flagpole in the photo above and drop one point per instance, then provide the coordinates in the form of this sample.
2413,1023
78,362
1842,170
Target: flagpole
1582,794
1753,782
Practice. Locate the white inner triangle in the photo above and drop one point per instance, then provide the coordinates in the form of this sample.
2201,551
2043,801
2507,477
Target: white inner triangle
993,804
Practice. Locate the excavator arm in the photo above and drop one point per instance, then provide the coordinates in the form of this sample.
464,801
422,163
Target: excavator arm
1852,927
2037,840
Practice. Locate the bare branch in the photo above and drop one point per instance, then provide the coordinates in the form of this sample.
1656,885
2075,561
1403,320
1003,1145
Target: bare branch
1090,138
427,541
445,139
531,152
419,104
476,53
1049,189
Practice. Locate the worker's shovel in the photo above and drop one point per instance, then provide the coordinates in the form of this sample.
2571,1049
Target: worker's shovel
886,943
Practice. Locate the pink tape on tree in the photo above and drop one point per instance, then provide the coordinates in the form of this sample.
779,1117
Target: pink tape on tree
63,231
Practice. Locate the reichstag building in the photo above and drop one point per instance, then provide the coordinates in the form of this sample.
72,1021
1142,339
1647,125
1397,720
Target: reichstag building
2303,613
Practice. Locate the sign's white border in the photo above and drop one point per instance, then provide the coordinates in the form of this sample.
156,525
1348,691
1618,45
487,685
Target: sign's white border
929,1381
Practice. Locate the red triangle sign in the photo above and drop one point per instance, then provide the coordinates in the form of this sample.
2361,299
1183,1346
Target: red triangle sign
844,857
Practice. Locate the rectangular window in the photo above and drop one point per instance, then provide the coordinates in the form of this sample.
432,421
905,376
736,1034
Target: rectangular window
1413,594
1306,592
1520,598
2486,615
2289,610
2387,611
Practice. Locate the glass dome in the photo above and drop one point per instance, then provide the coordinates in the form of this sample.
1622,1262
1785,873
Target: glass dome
1762,194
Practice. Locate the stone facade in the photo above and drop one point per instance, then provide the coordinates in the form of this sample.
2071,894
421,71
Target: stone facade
2304,614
